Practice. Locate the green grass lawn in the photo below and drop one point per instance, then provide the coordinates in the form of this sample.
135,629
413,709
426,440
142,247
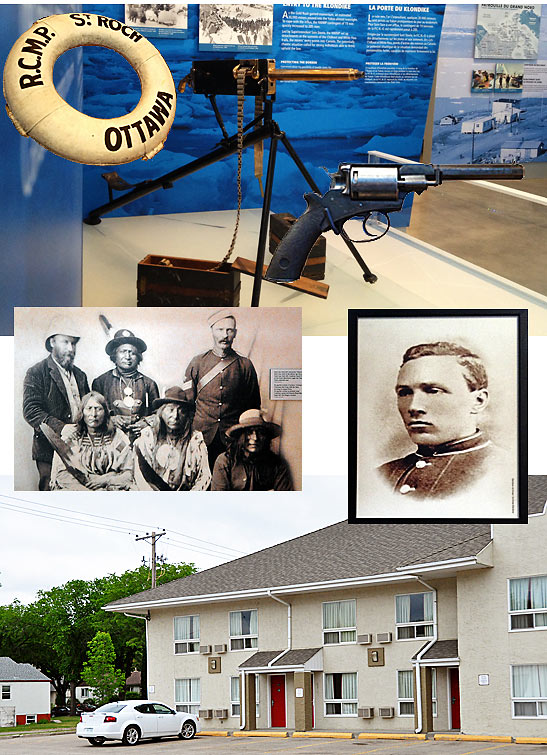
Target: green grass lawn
64,723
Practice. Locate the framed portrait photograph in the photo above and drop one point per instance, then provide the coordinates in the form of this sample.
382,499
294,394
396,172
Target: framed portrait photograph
437,415
172,399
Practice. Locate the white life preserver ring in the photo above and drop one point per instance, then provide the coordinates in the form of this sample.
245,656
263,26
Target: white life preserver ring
37,110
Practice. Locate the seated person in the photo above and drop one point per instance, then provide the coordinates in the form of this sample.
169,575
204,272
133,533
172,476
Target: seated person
249,463
92,453
169,456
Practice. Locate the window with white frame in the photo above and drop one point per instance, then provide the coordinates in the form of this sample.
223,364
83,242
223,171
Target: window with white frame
414,615
405,693
528,602
86,692
243,629
31,719
186,633
6,692
187,695
341,694
235,699
235,695
529,691
339,623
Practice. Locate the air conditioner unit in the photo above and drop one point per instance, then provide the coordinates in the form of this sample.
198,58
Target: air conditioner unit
221,713
386,712
204,649
221,648
383,637
206,713
364,639
365,712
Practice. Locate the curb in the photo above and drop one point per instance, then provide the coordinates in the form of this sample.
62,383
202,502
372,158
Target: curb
471,738
375,735
322,735
213,734
531,740
275,734
47,733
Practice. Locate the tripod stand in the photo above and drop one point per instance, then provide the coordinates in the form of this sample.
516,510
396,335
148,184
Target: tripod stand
268,130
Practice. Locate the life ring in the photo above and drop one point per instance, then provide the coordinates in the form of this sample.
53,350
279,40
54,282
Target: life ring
37,110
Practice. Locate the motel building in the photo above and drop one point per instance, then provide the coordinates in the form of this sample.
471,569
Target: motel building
364,628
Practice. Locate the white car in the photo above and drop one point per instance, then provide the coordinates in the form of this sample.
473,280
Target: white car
132,720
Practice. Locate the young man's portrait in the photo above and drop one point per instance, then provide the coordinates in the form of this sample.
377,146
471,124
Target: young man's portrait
436,416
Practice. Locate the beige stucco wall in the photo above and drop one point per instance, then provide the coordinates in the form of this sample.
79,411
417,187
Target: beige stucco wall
377,686
485,644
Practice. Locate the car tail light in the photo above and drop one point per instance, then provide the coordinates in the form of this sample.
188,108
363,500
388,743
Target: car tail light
110,719
80,719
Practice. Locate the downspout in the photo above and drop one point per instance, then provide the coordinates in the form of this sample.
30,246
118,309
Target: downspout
147,619
242,700
289,627
421,654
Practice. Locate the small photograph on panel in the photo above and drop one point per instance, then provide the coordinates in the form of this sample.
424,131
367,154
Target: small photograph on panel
158,398
437,403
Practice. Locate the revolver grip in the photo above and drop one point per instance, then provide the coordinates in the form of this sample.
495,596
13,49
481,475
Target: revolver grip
291,254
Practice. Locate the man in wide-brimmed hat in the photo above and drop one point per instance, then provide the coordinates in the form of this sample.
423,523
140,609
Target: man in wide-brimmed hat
169,455
52,391
222,383
249,463
129,394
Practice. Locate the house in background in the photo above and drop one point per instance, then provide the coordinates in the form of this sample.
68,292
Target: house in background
24,694
384,627
514,150
133,683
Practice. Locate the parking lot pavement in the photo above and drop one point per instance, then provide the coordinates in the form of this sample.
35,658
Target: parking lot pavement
68,744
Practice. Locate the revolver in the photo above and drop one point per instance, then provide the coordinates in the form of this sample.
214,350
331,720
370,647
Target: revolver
359,190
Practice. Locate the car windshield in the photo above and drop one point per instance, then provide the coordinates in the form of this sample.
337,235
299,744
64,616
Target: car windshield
110,708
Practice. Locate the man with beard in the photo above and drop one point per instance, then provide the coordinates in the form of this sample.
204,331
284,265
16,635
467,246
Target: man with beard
51,393
442,390
222,384
129,394
169,455
249,463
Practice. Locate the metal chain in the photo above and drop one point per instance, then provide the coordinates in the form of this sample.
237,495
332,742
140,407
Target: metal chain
240,77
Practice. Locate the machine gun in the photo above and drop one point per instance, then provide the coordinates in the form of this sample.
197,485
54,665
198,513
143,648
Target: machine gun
358,191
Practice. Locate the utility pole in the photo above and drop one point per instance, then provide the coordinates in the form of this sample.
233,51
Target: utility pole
152,538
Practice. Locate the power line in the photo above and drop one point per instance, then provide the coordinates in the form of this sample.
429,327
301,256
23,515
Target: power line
107,528
122,521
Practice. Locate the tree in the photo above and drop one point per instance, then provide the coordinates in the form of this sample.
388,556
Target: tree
100,672
52,633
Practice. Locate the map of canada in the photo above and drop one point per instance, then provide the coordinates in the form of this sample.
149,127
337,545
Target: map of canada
510,32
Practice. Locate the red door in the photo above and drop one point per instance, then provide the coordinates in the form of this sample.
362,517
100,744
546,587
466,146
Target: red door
455,698
277,686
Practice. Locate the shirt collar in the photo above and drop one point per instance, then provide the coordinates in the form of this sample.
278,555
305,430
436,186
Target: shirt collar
471,443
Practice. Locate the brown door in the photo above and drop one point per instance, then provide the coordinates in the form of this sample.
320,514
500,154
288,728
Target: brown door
277,687
455,698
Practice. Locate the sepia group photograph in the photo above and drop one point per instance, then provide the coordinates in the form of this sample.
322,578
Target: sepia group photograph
166,399
437,407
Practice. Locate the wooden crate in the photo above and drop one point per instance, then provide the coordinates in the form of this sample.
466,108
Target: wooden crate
315,266
179,282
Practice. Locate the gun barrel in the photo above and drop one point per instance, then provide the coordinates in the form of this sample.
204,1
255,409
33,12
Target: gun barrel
315,74
481,172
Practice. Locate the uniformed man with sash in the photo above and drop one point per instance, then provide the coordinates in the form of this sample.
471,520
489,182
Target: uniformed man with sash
222,383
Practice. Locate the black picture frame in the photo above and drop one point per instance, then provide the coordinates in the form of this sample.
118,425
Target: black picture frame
500,338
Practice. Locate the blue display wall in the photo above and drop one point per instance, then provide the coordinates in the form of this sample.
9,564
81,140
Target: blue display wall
327,123
41,195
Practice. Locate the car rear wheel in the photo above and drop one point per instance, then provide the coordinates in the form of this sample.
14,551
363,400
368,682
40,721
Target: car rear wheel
131,735
96,741
188,730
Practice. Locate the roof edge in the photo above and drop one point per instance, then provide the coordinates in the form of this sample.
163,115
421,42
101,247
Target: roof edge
405,573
